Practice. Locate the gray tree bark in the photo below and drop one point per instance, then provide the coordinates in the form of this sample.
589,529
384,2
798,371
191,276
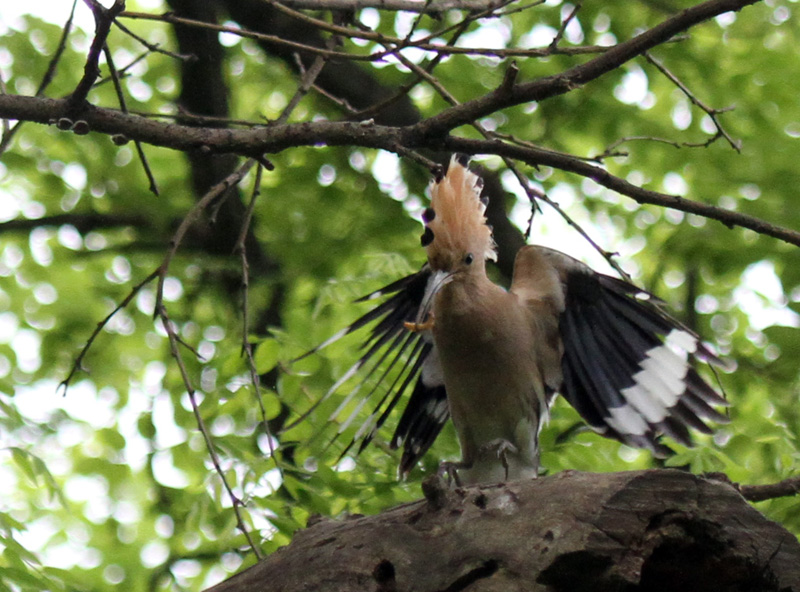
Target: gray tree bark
646,530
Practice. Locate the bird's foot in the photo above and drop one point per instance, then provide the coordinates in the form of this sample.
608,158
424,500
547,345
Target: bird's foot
418,327
450,470
501,447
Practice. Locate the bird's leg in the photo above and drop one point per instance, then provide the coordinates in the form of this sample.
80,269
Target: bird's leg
417,327
501,447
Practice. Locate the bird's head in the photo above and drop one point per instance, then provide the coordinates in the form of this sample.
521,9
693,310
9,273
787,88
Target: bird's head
457,238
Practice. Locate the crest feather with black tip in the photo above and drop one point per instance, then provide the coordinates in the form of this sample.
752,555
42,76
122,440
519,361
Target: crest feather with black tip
455,223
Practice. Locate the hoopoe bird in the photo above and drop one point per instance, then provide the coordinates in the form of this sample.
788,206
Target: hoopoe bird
494,359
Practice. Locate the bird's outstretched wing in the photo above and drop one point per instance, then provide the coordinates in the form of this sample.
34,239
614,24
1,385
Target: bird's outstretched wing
390,350
628,366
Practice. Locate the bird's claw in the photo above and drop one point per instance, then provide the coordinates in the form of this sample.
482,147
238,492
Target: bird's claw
450,470
501,447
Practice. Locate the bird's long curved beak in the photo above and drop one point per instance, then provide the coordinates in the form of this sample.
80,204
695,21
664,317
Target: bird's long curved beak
424,320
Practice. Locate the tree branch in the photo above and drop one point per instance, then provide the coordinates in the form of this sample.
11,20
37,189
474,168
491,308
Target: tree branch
103,18
558,84
83,223
538,156
759,493
9,133
433,7
425,43
257,142
294,45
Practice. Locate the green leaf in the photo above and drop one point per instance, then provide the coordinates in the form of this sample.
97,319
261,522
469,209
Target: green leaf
266,355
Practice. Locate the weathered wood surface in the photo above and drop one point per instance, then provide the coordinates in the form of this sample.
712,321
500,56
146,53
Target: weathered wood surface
646,530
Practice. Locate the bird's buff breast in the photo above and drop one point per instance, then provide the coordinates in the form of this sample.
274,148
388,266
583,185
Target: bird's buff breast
485,355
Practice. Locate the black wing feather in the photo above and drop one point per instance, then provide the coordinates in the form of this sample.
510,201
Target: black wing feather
416,429
623,358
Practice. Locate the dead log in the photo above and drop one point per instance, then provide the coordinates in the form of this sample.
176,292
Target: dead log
645,530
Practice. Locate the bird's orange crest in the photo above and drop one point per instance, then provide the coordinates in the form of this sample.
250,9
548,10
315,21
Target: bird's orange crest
455,224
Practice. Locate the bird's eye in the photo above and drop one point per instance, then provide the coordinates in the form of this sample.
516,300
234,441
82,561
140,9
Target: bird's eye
468,259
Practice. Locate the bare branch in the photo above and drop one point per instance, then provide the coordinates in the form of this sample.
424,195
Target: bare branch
236,503
215,192
82,222
9,133
155,48
759,493
247,347
433,7
423,44
712,113
124,107
558,84
538,156
77,364
257,142
177,20
103,18
564,24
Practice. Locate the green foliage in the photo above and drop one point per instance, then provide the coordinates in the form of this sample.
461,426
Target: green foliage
109,483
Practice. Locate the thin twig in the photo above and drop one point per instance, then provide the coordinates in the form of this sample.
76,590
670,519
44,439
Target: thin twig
306,82
190,218
406,88
343,104
247,347
470,18
173,19
77,365
8,134
123,72
610,150
423,44
431,7
236,503
712,113
520,7
418,158
563,28
103,18
175,340
124,108
155,48
534,195
62,45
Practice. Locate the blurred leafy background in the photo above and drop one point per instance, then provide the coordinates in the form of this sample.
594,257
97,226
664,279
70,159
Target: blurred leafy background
110,484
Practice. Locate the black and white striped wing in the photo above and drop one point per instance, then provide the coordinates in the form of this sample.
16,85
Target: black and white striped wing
627,365
424,416
393,358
